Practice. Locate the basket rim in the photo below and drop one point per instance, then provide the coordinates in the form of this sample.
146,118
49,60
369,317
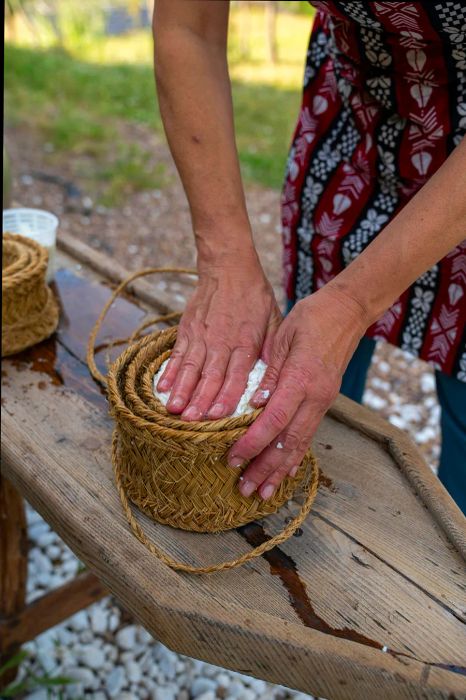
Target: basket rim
228,428
30,263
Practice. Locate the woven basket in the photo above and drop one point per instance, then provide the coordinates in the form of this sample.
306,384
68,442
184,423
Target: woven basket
176,471
29,308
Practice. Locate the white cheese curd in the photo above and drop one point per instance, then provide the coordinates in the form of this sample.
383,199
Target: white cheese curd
243,407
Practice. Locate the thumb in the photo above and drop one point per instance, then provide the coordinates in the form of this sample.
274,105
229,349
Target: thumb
274,324
278,355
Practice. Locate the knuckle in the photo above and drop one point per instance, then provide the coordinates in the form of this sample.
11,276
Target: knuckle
325,391
212,372
277,417
281,345
220,348
252,445
190,364
277,476
261,471
177,353
304,444
299,377
238,372
292,441
271,375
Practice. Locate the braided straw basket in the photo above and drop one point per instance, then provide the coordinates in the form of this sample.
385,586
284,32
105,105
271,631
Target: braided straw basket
176,471
29,308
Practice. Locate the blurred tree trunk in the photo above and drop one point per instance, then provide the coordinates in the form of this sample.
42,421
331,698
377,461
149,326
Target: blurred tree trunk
244,34
11,23
271,34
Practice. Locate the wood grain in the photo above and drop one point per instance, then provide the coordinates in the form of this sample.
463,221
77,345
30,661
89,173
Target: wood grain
410,461
371,568
51,609
223,633
114,271
13,566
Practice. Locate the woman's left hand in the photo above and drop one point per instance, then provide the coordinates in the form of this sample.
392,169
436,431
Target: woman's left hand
311,350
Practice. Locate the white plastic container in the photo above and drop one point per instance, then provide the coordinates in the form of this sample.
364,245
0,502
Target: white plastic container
37,224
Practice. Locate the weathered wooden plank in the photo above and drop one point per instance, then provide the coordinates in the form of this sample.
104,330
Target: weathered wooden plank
328,563
114,271
371,500
316,604
51,609
410,461
362,472
173,610
13,566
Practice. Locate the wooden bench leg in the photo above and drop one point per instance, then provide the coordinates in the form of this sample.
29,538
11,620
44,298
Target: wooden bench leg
13,566
20,622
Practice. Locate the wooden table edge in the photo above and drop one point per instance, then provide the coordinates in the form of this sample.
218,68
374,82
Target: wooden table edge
177,602
408,458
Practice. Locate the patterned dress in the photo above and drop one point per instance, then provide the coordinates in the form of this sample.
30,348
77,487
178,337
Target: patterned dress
384,103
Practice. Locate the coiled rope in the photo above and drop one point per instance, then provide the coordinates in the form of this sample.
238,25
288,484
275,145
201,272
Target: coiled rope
29,308
176,471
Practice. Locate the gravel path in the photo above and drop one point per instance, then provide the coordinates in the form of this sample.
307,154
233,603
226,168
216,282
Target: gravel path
106,654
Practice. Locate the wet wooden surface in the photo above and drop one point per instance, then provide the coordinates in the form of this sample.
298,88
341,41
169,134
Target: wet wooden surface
366,600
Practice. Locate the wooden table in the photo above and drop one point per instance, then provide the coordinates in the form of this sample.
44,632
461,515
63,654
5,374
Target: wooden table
367,600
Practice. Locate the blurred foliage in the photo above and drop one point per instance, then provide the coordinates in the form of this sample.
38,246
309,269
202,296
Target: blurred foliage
79,91
30,681
300,7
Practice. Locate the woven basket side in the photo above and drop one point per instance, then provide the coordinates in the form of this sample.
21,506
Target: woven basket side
192,491
29,309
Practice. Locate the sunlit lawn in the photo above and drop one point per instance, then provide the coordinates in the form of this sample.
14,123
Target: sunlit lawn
78,96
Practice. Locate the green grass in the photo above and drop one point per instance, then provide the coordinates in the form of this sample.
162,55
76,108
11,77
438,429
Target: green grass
78,98
130,171
54,685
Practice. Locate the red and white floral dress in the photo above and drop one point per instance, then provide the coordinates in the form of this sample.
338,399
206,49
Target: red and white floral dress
384,103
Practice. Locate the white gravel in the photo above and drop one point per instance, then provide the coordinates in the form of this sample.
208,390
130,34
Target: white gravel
243,407
108,658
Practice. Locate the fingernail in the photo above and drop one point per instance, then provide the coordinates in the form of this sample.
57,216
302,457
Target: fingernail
176,402
247,488
191,413
235,461
294,470
261,395
216,410
267,491
162,385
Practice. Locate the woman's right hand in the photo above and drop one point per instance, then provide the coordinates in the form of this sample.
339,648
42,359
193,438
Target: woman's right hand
229,322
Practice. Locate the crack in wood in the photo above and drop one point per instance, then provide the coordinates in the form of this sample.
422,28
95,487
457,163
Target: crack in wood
282,564
391,566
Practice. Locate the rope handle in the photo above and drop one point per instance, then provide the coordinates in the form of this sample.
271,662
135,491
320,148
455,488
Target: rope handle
310,489
291,527
90,355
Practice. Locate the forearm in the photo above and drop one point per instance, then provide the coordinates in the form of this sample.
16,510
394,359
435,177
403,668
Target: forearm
426,229
195,103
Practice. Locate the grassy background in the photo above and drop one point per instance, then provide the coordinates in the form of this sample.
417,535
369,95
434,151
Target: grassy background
78,95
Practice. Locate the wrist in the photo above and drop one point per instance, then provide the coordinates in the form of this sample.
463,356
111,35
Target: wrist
226,250
352,311
355,301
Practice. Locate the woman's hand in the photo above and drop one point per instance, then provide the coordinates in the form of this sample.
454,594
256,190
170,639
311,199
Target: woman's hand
311,350
229,322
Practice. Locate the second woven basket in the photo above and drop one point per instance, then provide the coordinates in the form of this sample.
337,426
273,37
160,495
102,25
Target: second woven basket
29,309
176,471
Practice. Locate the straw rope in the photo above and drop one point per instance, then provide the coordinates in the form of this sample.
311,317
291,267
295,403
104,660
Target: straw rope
29,309
176,471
